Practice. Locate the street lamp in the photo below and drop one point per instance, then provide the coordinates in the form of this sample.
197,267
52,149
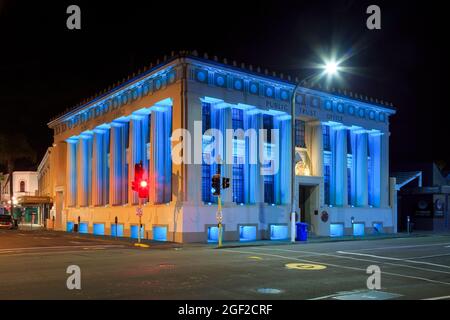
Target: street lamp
331,68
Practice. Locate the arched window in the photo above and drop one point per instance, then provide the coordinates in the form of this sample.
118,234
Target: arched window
22,186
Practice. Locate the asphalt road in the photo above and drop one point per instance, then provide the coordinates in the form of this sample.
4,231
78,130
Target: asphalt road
33,265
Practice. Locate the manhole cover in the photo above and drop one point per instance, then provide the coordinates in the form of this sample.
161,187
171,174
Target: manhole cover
269,291
367,295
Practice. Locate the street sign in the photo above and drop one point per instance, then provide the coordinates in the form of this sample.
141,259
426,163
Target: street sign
139,211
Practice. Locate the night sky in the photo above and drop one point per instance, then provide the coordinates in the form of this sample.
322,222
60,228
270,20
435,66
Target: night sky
46,68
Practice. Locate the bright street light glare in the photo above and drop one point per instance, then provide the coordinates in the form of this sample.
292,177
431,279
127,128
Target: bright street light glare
331,67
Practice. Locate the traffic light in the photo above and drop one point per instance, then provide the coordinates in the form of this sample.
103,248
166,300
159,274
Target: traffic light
140,185
138,176
143,189
225,183
216,184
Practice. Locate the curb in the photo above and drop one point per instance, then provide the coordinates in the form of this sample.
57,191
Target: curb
325,240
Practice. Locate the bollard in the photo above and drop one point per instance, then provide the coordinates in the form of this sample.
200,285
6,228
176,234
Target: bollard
408,224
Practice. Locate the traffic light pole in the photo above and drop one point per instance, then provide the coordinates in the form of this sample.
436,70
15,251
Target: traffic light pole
219,218
140,220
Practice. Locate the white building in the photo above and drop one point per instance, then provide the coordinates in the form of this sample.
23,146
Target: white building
342,143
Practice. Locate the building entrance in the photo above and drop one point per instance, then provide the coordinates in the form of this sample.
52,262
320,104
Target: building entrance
307,202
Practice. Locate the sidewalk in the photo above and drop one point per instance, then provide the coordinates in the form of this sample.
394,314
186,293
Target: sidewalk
30,227
323,239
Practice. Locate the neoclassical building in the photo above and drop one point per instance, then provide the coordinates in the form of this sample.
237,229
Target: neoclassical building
342,184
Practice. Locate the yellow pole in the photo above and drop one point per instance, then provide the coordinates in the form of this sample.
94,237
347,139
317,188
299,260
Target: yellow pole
139,226
219,208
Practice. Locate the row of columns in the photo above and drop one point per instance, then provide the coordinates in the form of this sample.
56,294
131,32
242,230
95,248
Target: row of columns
361,141
253,188
100,163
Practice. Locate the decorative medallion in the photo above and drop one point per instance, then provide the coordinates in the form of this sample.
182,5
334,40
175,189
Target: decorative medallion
269,92
238,84
220,80
254,87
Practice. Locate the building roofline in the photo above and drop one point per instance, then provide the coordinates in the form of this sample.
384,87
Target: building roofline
194,56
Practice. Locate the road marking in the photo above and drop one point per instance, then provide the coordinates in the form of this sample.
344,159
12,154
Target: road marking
432,256
57,247
256,258
309,254
394,259
305,266
338,266
438,298
405,247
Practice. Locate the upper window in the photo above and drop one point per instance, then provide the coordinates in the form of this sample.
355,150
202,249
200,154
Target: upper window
326,137
22,186
300,133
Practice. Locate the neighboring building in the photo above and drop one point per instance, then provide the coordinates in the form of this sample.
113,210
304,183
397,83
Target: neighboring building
423,197
25,185
342,182
46,190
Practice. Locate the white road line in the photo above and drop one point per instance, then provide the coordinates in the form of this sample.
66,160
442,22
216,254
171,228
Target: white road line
394,259
406,247
356,259
338,266
58,247
431,256
438,298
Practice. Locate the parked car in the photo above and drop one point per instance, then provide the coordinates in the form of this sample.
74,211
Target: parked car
7,222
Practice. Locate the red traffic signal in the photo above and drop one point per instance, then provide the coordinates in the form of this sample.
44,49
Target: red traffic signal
143,189
140,185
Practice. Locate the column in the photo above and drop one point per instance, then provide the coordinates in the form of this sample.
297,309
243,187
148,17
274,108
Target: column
106,165
136,149
375,155
84,155
71,172
221,120
124,133
283,155
314,145
361,170
253,180
97,154
384,165
160,167
116,172
338,178
100,166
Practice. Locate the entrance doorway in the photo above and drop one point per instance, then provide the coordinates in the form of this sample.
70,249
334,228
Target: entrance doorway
307,202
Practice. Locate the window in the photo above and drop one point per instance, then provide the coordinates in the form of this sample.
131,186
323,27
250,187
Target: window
349,179
326,180
326,137
22,186
369,175
349,142
206,154
238,157
350,201
300,134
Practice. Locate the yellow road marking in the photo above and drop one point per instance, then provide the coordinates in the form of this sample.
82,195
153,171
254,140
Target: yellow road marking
305,266
142,245
256,258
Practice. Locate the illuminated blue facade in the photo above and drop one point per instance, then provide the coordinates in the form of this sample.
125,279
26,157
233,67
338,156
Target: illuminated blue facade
341,156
